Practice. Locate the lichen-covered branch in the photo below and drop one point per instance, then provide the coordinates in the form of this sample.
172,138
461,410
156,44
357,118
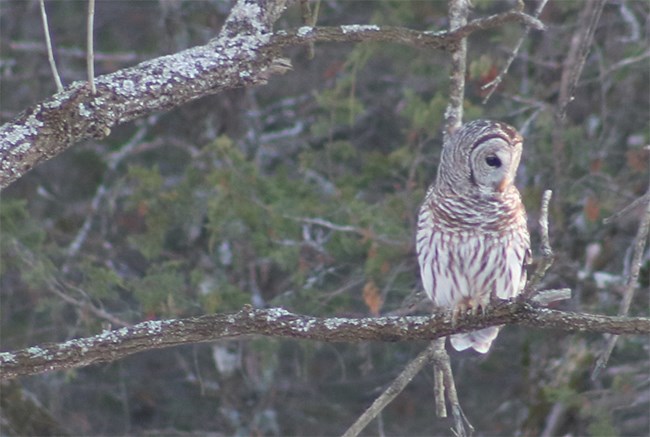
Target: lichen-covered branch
113,345
239,57
246,53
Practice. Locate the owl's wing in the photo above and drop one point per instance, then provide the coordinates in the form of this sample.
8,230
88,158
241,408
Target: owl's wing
528,259
517,257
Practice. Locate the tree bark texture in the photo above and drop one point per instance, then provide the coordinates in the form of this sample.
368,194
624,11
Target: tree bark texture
276,322
246,53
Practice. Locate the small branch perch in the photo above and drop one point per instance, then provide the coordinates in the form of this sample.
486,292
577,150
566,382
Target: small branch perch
547,252
112,345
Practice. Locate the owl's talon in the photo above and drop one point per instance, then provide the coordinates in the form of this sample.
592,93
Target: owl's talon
459,310
470,304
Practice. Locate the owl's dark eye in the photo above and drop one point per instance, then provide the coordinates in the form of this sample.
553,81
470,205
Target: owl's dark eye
493,161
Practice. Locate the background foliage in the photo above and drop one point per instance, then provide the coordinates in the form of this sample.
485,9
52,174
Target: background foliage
303,194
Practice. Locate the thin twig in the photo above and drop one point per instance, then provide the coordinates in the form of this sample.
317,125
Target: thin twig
627,61
547,252
330,225
113,161
547,297
493,84
444,381
48,44
309,18
57,286
365,233
396,387
578,52
73,52
445,40
626,209
90,53
630,286
462,427
571,71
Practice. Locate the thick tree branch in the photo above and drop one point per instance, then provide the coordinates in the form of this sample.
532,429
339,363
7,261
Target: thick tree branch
112,345
240,56
244,54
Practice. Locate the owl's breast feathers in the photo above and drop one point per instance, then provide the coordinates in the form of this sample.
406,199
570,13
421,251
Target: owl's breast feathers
496,213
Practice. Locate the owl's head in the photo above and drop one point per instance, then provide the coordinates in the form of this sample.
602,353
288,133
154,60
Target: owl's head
481,156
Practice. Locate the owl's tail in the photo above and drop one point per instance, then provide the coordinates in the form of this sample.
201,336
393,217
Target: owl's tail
479,340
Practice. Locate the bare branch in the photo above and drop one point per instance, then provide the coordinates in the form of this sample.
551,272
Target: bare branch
462,427
627,61
276,322
71,52
439,380
48,44
443,40
112,162
458,10
58,286
395,388
496,21
645,199
230,61
571,71
547,253
90,53
575,60
244,54
630,285
493,84
547,297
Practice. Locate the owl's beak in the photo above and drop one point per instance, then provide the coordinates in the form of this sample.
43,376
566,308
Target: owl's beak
502,185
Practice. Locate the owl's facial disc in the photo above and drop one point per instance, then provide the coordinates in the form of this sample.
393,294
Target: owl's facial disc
493,164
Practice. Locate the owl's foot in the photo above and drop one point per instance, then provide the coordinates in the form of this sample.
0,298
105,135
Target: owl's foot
471,305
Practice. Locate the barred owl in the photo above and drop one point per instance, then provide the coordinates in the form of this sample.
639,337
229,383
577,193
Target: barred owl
472,241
